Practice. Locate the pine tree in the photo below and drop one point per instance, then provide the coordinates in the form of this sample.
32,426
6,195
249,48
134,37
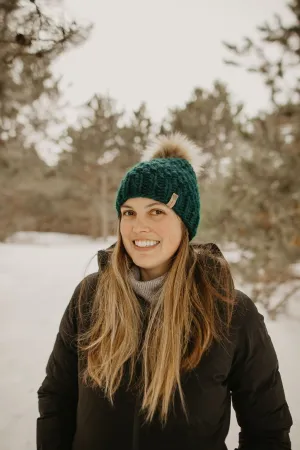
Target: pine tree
264,209
211,120
135,135
104,145
282,76
30,40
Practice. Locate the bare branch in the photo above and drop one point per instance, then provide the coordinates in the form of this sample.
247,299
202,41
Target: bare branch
29,39
273,312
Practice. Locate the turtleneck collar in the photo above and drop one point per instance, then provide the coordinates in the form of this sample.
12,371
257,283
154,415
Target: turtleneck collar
146,289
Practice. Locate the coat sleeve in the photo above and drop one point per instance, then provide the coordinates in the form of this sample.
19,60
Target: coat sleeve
256,386
58,394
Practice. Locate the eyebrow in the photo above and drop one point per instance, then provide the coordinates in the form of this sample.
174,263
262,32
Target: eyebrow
147,206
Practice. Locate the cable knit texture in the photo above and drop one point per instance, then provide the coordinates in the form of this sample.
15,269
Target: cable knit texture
163,176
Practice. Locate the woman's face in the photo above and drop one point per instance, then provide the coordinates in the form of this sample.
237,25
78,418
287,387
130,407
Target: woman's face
151,234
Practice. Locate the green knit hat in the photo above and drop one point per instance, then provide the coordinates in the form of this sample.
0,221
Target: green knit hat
167,178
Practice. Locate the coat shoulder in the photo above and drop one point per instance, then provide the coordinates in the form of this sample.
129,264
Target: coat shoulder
84,295
248,324
79,308
245,309
88,285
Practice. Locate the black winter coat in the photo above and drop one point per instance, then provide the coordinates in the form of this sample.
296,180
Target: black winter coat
244,370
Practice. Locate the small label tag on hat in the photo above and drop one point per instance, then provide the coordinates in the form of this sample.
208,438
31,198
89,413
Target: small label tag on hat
173,200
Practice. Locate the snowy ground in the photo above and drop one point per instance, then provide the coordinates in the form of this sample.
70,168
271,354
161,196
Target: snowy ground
38,274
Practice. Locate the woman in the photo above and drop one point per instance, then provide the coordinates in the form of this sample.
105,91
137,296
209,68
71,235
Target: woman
152,348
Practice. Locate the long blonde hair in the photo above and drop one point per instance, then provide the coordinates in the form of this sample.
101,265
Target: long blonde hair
194,306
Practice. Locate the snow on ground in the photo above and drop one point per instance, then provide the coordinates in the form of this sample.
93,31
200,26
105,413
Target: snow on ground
38,274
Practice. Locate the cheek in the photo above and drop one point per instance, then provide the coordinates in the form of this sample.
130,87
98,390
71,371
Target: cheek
125,234
175,238
124,229
172,234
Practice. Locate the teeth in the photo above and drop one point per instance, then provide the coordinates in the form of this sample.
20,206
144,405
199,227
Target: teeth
145,243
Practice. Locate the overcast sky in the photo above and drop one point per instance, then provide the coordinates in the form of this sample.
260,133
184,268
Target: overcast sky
158,50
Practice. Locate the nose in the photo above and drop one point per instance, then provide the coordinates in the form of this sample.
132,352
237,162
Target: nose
140,226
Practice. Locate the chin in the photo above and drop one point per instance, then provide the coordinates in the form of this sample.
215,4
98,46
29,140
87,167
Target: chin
143,264
146,266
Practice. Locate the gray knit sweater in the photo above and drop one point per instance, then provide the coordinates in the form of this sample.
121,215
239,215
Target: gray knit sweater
149,290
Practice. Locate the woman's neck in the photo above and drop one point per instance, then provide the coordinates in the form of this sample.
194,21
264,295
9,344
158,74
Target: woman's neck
152,274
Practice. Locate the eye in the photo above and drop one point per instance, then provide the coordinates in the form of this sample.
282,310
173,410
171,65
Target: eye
158,212
127,213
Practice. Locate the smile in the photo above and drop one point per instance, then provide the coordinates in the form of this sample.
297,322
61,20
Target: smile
139,244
